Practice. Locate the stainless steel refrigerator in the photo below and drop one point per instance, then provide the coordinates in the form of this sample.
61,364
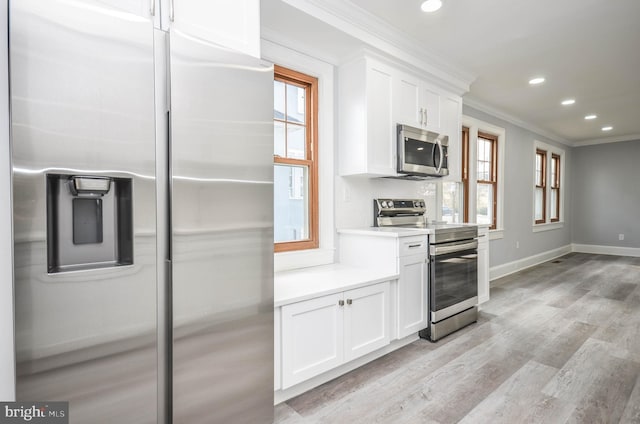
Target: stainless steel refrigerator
143,218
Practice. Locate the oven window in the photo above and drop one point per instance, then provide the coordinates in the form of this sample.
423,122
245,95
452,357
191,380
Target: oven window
454,278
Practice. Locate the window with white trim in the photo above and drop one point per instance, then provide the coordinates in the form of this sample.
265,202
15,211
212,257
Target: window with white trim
480,194
295,116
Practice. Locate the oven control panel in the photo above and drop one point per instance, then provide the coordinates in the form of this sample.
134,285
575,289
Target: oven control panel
399,207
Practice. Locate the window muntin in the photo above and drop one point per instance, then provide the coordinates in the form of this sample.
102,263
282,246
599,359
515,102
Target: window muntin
295,160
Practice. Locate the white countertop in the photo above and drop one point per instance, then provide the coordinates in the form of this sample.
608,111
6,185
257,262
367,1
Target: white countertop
401,231
307,283
387,231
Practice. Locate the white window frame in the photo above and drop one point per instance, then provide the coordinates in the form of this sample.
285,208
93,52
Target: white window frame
475,126
325,253
551,150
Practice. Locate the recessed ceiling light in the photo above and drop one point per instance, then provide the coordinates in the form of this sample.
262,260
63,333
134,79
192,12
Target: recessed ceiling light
431,5
568,102
536,80
607,128
590,117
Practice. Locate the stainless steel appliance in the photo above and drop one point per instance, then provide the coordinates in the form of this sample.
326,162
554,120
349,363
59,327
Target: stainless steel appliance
140,297
453,264
453,280
422,153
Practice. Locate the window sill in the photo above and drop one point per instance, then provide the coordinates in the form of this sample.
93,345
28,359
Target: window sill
537,228
496,234
284,261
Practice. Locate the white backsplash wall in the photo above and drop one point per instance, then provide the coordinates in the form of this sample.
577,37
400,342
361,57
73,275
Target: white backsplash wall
354,198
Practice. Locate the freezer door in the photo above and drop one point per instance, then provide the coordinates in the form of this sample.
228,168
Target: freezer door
82,99
222,219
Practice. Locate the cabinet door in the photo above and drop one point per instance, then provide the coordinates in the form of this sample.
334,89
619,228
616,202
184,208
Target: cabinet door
366,320
483,265
231,23
312,338
430,107
412,295
406,101
380,139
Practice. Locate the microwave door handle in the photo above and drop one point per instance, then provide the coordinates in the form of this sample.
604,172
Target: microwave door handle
439,143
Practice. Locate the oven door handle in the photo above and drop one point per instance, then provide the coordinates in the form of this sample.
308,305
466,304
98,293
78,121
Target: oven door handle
445,249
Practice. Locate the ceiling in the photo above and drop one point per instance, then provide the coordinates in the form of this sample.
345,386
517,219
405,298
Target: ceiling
587,50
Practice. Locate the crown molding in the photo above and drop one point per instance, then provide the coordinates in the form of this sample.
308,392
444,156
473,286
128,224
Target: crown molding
364,26
500,114
617,139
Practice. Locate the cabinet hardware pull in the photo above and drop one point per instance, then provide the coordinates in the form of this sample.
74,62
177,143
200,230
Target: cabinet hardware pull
349,301
414,245
341,302
426,117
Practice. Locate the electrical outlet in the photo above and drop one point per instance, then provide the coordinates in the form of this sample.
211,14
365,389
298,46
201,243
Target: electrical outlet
517,245
620,236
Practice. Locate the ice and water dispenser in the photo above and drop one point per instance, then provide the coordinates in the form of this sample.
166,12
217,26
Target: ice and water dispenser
89,222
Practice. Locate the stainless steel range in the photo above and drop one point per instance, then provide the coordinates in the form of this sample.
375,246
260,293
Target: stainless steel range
453,264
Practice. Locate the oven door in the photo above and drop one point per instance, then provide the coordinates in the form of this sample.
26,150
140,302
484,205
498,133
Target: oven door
453,278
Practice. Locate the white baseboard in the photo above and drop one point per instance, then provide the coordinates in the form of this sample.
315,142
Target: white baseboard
606,250
520,264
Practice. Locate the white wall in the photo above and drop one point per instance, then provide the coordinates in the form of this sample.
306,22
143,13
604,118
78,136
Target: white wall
606,195
7,363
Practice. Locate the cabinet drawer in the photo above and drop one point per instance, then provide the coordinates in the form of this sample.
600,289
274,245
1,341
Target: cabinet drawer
413,245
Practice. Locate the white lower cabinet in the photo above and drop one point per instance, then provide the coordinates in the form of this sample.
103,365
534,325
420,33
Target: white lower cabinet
412,295
322,333
483,264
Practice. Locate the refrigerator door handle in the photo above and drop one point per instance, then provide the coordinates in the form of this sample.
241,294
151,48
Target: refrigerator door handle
152,8
171,11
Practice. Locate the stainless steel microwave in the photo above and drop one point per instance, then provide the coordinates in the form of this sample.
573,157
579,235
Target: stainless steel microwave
422,153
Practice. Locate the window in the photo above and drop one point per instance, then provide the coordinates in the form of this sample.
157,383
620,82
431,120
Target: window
483,146
555,187
547,203
487,179
295,106
465,173
541,187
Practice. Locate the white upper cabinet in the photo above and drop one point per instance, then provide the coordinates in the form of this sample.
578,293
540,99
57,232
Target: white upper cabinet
366,129
416,103
231,23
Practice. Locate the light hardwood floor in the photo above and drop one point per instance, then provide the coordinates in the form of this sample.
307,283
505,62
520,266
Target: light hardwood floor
557,343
